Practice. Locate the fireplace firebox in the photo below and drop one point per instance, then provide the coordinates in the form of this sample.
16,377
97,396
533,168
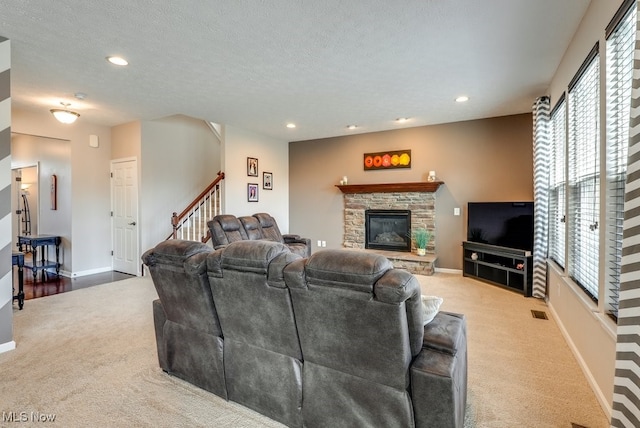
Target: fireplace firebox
388,230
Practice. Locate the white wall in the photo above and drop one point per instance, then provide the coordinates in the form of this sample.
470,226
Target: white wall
590,335
180,157
273,156
588,331
126,141
89,243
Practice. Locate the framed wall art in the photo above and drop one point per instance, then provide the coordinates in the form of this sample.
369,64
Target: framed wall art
387,160
252,167
252,192
267,180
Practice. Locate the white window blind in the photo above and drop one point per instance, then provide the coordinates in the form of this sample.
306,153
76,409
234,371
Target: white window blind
584,175
620,49
557,194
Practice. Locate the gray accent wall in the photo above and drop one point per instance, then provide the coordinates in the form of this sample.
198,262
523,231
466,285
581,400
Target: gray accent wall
6,293
480,160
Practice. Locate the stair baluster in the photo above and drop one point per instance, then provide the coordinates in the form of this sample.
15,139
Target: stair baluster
191,223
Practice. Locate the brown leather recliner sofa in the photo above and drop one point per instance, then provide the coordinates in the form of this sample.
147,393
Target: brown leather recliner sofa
227,228
333,340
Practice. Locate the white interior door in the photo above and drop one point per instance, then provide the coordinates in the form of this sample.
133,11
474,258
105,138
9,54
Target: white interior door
124,206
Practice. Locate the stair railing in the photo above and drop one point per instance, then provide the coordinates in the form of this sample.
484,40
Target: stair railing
191,223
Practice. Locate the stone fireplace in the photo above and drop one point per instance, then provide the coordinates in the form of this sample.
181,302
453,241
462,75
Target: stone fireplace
421,205
419,199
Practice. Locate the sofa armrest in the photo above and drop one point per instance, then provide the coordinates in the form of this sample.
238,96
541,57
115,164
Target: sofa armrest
439,373
295,239
447,333
300,246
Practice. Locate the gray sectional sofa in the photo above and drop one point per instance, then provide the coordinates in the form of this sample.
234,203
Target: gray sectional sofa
227,228
333,340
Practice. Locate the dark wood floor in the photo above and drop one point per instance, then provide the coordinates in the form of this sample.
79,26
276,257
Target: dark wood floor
61,284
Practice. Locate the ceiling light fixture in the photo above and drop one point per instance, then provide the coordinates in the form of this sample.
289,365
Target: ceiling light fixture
291,125
402,119
116,60
462,99
352,127
64,115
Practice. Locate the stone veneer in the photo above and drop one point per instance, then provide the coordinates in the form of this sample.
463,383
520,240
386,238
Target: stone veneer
421,204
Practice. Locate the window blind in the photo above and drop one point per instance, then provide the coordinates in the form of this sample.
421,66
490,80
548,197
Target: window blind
557,194
584,175
620,50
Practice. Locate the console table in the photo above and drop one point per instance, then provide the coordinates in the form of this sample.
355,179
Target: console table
17,259
506,267
42,241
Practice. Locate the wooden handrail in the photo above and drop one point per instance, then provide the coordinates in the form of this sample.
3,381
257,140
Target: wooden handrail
176,217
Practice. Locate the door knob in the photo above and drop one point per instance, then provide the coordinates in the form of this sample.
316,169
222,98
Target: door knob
133,223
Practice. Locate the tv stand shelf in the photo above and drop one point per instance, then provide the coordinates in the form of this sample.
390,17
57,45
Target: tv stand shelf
506,267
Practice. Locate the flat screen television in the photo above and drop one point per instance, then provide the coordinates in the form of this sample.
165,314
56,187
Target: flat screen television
507,224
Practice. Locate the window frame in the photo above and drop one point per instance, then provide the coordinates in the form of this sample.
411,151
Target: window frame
583,175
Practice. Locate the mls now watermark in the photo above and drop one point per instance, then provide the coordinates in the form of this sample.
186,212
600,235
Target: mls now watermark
28,417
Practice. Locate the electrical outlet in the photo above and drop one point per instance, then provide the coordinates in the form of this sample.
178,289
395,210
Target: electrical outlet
324,243
319,243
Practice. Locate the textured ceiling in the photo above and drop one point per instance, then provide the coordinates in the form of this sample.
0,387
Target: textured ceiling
258,64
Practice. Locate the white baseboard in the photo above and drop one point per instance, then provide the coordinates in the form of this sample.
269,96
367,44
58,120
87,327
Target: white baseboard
446,270
89,272
8,346
604,401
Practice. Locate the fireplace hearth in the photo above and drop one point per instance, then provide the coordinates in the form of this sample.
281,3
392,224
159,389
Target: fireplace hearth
388,230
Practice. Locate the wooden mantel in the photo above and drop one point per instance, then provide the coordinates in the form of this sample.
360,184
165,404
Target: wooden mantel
422,186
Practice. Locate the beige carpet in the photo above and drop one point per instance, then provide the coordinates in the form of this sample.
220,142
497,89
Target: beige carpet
88,358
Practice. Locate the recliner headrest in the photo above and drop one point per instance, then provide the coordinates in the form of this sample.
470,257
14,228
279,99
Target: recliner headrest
228,222
249,223
251,256
265,219
353,270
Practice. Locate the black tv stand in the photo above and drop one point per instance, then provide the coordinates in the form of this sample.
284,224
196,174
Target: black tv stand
506,267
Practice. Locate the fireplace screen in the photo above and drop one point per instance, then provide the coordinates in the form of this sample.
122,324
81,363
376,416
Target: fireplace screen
388,230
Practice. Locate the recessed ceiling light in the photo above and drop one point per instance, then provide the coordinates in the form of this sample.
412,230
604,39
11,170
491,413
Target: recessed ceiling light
291,125
352,127
402,119
462,99
116,60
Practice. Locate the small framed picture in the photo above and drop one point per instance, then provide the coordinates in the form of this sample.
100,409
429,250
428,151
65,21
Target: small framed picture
252,167
252,192
267,180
